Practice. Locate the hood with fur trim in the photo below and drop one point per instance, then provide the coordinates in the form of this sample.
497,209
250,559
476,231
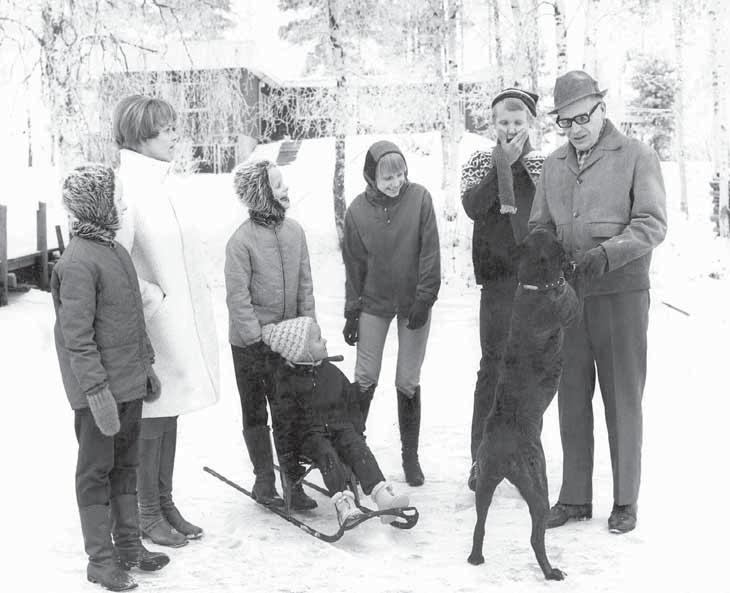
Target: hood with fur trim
376,152
251,184
88,196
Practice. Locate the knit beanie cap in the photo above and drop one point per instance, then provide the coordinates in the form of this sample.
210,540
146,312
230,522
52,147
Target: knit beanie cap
290,338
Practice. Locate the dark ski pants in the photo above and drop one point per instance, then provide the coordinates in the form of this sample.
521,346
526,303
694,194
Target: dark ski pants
329,445
495,311
106,467
255,381
610,341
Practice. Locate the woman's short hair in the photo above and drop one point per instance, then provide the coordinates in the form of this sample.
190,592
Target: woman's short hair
390,164
512,104
138,118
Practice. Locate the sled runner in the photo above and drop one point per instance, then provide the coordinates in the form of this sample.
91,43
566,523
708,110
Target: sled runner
406,517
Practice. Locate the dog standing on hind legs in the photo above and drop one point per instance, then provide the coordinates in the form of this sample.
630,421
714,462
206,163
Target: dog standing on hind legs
511,448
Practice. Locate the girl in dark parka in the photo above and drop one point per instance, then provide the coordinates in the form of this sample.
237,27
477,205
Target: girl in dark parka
393,269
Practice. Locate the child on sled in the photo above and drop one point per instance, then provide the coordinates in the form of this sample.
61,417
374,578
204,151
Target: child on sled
315,414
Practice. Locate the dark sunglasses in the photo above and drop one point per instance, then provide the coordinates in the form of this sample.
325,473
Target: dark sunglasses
581,119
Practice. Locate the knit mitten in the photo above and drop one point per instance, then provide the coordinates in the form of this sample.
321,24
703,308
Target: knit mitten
154,387
103,408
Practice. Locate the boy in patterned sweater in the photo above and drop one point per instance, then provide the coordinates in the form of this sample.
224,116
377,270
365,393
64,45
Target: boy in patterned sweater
497,189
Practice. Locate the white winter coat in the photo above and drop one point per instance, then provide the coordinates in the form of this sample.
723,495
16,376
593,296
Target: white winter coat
158,229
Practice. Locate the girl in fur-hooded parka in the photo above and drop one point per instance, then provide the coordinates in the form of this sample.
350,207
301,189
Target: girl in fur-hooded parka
106,360
393,269
268,279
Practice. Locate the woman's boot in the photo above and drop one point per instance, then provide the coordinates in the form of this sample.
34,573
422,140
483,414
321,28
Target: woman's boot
96,525
409,421
169,510
261,453
152,523
127,543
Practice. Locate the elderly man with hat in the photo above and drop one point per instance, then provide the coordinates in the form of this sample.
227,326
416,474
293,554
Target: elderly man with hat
497,189
603,194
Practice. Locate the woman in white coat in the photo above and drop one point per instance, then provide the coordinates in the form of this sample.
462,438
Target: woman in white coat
158,231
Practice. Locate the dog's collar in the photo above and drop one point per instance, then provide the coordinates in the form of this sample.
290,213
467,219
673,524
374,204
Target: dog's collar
542,287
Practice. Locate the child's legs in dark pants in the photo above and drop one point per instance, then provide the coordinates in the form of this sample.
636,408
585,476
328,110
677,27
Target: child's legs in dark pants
354,451
255,382
317,446
106,466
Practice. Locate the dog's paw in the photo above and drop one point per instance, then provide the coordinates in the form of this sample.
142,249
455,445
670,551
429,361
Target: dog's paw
476,559
555,574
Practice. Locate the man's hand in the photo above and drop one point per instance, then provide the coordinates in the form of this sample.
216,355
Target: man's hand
513,149
594,263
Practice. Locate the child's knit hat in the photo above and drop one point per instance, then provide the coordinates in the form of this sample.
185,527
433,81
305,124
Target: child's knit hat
290,338
88,196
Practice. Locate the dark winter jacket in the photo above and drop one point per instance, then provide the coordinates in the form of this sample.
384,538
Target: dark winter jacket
391,246
493,241
100,333
616,200
322,392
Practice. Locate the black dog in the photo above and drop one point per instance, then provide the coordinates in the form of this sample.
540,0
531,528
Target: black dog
544,304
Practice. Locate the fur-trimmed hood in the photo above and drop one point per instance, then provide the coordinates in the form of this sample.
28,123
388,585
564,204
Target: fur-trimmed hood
88,196
251,184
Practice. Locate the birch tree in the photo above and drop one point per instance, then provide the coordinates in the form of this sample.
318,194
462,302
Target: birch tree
590,37
719,112
678,19
561,37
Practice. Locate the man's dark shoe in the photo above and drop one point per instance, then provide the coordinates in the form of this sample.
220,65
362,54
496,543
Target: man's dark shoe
299,499
623,518
472,481
561,513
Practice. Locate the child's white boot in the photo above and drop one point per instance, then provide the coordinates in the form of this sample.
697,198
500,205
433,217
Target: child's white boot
347,510
385,497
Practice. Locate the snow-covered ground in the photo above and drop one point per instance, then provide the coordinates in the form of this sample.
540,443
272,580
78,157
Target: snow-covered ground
679,544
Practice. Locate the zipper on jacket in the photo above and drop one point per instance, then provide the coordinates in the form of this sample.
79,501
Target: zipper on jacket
283,274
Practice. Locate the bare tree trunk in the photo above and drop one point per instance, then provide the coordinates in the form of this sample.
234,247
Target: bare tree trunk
678,21
338,178
590,58
519,69
533,45
498,43
561,37
719,146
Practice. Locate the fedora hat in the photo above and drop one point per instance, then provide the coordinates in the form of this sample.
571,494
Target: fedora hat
572,86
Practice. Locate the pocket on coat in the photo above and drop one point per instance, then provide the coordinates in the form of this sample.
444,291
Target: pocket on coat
604,230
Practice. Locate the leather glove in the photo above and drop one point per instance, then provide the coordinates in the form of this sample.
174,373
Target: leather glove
352,325
594,263
418,315
103,408
154,387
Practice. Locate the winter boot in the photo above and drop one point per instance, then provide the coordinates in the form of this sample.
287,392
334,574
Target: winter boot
346,508
102,569
300,501
561,513
385,497
409,421
152,524
623,518
366,398
127,544
259,448
169,510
